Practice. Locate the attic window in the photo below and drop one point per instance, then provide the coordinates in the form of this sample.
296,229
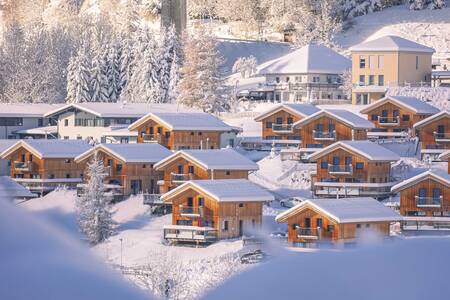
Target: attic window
330,228
241,204
67,161
67,175
227,173
192,133
144,166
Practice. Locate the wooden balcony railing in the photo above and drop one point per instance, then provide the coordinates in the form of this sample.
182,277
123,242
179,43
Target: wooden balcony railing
388,121
428,201
191,211
309,233
180,178
190,233
282,128
340,169
441,136
324,136
151,138
23,166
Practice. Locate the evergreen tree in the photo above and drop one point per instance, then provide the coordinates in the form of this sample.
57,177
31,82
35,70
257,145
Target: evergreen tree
113,74
78,79
99,79
93,209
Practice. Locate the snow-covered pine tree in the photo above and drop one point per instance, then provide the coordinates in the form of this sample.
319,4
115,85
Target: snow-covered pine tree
430,4
201,84
99,79
93,209
113,74
173,89
170,49
78,79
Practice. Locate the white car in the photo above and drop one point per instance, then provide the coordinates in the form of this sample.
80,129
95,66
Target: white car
290,202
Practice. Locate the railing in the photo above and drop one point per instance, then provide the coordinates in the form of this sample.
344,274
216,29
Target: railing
151,138
428,201
388,121
152,199
322,135
23,166
181,177
340,169
190,233
344,189
191,211
282,127
441,136
309,233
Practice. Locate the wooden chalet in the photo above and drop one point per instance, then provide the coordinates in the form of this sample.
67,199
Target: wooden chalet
353,168
129,167
42,165
336,220
434,134
394,116
277,124
326,127
178,130
425,200
446,157
188,165
204,211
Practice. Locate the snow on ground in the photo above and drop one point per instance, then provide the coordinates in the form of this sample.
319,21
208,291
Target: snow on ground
428,27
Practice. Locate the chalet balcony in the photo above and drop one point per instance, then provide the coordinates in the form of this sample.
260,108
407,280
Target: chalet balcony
194,234
23,166
441,137
388,121
282,128
151,138
181,178
428,201
308,233
324,136
340,169
191,211
352,189
151,199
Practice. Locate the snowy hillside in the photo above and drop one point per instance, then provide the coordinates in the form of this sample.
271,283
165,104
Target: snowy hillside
428,27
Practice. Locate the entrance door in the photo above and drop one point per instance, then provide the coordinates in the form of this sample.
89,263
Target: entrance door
135,186
241,228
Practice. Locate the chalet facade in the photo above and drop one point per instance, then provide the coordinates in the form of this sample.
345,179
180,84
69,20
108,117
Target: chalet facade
177,131
434,134
277,124
42,165
353,168
204,211
188,165
425,198
386,62
446,157
129,167
326,127
396,115
317,221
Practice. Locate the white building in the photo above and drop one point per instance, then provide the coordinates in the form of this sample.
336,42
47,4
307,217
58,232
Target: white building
307,74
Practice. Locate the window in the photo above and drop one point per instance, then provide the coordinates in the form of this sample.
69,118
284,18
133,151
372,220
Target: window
119,167
67,175
358,225
167,134
373,180
287,79
359,166
279,120
362,62
66,137
40,122
380,80
144,166
11,122
319,222
290,120
191,169
371,79
405,118
367,225
330,228
324,165
374,117
380,61
362,79
110,162
201,201
79,137
227,173
159,130
277,79
268,124
23,157
225,226
200,133
241,204
31,157
192,133
51,176
372,62
417,62
67,161
66,122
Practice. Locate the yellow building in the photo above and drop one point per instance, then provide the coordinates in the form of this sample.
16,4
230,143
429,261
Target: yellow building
386,62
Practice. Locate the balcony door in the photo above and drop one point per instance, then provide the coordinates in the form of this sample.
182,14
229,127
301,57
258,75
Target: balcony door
307,223
319,127
331,127
422,193
348,160
336,160
440,131
436,195
180,169
384,113
190,201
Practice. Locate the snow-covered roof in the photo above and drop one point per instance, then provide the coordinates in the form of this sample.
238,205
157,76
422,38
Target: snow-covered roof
12,189
119,131
298,109
445,155
39,130
432,118
438,175
412,104
391,43
312,58
24,110
345,210
347,117
130,153
212,159
370,150
5,144
116,110
225,190
50,148
184,121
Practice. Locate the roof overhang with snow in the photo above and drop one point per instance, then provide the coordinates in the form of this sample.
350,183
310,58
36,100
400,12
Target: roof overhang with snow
391,43
395,101
435,117
20,144
438,176
277,109
330,114
445,155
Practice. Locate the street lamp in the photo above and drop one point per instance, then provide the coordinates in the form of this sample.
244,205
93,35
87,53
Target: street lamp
121,251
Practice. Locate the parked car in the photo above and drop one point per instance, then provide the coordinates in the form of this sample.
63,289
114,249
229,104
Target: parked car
253,257
290,202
